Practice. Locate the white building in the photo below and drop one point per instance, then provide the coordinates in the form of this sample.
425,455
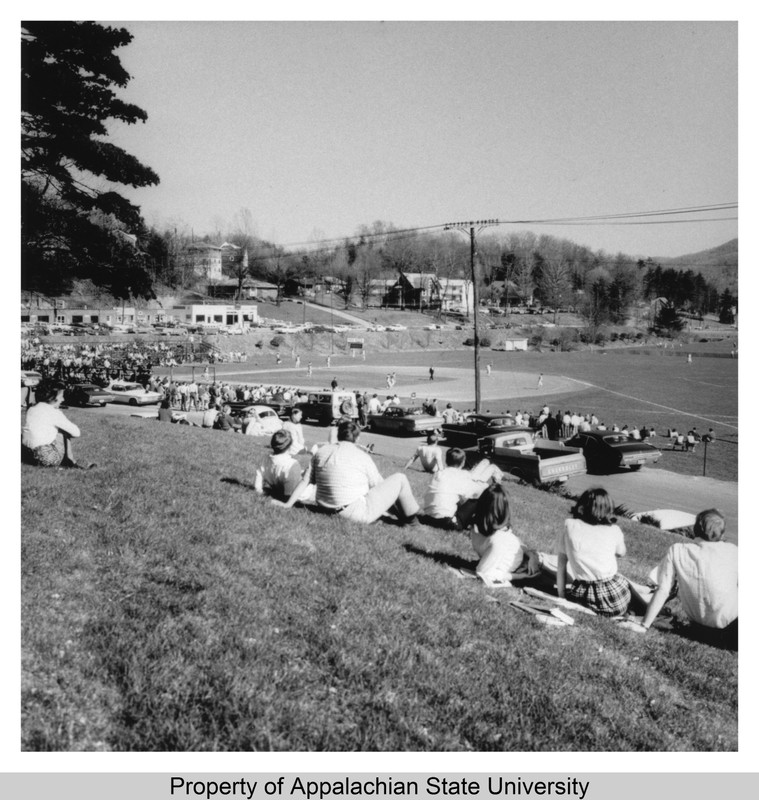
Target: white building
235,315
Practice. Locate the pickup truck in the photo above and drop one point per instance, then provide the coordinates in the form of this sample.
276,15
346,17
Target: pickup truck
536,461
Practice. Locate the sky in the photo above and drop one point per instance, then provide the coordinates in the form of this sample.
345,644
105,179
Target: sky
319,127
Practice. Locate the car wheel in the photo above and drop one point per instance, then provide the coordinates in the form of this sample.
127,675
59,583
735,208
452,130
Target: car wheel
132,401
635,467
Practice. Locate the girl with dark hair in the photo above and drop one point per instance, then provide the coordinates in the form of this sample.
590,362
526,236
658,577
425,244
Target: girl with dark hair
500,551
47,433
589,546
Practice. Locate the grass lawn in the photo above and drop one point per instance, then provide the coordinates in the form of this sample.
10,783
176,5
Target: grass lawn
166,607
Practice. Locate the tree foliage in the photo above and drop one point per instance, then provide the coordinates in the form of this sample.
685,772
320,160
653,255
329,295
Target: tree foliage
71,227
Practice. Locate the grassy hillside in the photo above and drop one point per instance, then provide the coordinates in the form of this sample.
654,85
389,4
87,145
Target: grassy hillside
166,607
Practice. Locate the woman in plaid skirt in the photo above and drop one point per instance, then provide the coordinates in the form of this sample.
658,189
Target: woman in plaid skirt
590,544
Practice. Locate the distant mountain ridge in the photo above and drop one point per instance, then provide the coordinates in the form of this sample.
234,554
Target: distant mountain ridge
718,265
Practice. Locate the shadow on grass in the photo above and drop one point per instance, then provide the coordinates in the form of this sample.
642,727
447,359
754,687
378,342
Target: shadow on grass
447,559
726,639
237,482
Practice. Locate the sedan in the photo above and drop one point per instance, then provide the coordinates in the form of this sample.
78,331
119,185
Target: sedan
86,394
607,451
132,393
475,427
403,420
259,420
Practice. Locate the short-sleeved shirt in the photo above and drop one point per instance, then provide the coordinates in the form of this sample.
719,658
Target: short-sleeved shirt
430,457
342,474
42,425
591,550
295,429
278,474
447,489
707,580
501,554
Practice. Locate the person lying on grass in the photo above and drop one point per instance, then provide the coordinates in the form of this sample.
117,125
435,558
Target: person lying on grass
279,473
47,433
500,551
452,495
348,482
590,544
704,575
430,455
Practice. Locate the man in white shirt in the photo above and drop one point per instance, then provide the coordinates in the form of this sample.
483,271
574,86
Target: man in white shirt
374,405
705,574
430,455
450,415
349,484
279,473
451,497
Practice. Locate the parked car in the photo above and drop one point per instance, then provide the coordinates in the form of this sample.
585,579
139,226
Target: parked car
132,393
403,420
258,420
324,407
607,451
474,427
30,378
519,453
397,328
86,394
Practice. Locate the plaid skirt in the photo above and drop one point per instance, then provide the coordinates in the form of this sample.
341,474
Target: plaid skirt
608,598
46,455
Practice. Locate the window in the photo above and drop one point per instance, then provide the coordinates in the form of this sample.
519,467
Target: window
200,318
77,318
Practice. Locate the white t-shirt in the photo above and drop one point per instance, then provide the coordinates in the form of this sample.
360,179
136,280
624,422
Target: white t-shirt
707,580
591,550
500,555
447,488
295,429
278,473
430,457
42,424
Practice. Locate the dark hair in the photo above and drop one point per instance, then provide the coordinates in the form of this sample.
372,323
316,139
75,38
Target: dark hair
455,457
47,391
595,507
347,431
709,525
492,512
281,441
165,403
432,437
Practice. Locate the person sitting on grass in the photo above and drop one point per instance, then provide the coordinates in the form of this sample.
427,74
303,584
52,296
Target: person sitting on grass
704,575
430,455
590,544
451,497
224,421
500,551
279,473
349,484
294,426
164,412
47,433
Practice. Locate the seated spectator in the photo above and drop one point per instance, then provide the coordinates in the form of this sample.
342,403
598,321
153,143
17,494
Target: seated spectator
164,412
588,546
451,497
500,551
691,440
430,455
704,575
224,421
294,426
47,433
349,484
209,417
279,473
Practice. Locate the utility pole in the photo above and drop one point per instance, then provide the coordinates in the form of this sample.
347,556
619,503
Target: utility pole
463,226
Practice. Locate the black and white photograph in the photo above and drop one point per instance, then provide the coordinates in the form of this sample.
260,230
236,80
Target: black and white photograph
379,386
